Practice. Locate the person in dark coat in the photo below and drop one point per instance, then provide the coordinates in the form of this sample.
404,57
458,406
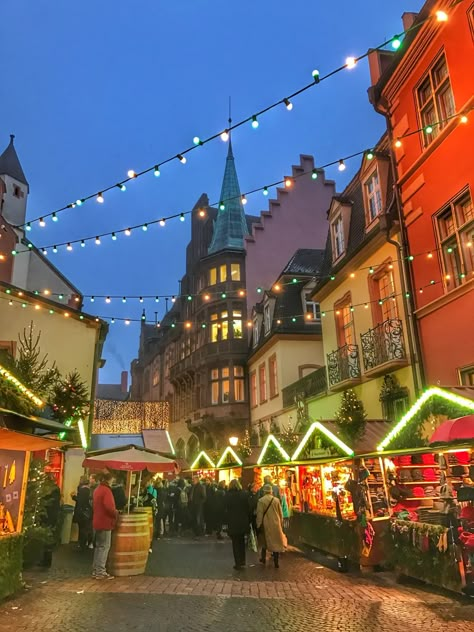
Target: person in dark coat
238,521
253,500
83,512
161,508
118,490
219,508
51,520
197,498
209,509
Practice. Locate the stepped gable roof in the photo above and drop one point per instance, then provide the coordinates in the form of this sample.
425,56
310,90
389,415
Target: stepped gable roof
230,226
10,163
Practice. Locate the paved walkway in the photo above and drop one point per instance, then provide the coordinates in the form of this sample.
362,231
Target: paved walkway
190,586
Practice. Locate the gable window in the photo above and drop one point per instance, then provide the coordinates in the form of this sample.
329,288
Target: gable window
374,196
262,383
273,375
17,192
455,225
253,389
235,271
338,237
435,100
212,276
239,384
267,318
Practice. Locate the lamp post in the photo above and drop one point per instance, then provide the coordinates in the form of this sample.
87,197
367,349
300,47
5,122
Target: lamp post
233,441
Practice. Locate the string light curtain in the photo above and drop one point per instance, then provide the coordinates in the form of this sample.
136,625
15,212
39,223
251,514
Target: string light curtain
117,417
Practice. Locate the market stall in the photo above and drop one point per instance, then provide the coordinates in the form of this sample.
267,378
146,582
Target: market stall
203,466
131,537
229,466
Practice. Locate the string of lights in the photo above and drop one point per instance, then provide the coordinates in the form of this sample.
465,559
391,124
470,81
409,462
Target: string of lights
240,293
188,324
395,42
288,182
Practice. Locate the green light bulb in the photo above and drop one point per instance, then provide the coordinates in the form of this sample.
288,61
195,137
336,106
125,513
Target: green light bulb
396,43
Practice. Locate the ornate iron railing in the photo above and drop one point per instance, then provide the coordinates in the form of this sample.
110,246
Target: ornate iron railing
384,343
343,364
312,384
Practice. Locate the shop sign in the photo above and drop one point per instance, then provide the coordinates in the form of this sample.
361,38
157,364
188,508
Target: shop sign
13,477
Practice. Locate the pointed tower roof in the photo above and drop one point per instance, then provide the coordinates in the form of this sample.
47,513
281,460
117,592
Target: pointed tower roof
230,227
10,163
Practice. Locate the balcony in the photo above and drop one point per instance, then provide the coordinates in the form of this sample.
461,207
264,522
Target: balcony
308,386
383,348
343,367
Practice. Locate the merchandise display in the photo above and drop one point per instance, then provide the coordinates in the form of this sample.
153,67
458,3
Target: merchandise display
323,489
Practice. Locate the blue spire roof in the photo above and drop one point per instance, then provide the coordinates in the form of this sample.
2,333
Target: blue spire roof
230,226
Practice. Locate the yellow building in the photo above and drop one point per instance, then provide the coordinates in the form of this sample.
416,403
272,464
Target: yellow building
363,302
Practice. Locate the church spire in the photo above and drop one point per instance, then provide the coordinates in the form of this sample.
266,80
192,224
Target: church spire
10,163
230,227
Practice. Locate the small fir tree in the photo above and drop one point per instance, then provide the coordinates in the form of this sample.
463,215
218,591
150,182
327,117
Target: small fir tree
245,448
289,439
38,488
70,398
351,416
31,366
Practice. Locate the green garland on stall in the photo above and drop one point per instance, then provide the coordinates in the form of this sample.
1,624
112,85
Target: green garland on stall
11,562
412,548
272,455
411,436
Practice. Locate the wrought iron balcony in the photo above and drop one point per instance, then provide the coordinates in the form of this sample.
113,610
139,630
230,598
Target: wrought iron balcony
383,347
343,367
308,386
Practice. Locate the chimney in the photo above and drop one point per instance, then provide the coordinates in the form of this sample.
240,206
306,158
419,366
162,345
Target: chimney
408,19
379,61
124,382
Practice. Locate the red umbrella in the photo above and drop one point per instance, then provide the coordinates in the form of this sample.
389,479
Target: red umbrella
130,458
460,429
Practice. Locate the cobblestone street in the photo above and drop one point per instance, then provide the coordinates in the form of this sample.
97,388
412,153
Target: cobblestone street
190,586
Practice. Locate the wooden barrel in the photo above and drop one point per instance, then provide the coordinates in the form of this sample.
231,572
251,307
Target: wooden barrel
130,543
149,512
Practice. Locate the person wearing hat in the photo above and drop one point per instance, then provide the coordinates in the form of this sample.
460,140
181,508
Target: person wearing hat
270,526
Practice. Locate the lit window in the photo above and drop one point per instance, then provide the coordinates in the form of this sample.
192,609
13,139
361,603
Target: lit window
273,375
267,318
212,276
223,273
237,323
262,379
214,328
386,292
338,237
215,386
313,309
435,100
344,324
235,271
224,325
253,389
466,375
456,236
374,196
239,384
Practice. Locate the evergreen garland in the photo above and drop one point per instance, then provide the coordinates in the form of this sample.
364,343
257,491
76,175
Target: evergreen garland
351,416
272,455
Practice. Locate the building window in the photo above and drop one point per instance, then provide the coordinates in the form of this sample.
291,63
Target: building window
273,375
470,12
220,386
212,276
253,389
344,322
237,323
456,236
338,237
255,332
235,271
386,294
312,310
267,318
262,383
466,375
223,273
435,100
239,384
17,192
215,386
374,196
219,326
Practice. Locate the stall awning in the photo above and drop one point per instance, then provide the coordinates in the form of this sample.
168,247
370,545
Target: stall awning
24,423
130,458
12,440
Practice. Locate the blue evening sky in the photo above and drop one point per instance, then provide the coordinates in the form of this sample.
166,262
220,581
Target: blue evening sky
94,88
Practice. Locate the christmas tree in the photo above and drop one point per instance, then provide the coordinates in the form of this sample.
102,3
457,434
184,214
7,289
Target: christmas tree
32,367
35,530
351,416
70,398
245,448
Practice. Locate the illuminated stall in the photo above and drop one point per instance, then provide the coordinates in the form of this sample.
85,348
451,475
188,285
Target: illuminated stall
273,461
229,466
203,466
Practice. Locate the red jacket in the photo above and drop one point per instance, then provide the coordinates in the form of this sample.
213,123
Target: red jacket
104,512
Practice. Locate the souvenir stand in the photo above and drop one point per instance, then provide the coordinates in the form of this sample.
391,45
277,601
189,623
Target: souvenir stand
273,461
427,462
341,504
229,466
15,451
203,466
134,531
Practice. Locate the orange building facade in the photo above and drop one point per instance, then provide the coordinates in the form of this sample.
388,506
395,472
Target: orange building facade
428,85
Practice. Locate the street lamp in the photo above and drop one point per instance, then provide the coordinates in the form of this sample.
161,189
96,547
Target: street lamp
233,441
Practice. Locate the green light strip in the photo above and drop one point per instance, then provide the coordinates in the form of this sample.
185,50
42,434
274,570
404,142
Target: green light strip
227,451
277,444
450,397
330,435
82,433
202,455
173,451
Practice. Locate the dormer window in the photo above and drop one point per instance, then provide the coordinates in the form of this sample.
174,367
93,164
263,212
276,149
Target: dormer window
267,318
337,228
373,193
312,310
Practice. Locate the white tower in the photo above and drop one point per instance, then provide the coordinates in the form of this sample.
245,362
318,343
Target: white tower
13,201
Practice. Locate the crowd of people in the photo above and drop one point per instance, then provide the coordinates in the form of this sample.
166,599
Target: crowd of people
250,517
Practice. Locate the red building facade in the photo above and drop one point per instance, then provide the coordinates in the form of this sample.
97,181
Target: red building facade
428,85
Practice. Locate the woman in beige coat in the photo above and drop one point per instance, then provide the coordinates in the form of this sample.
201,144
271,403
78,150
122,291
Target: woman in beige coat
270,526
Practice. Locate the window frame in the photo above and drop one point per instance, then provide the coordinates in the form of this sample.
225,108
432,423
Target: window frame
255,331
431,103
338,220
253,389
267,318
311,307
339,312
262,383
239,383
273,376
212,276
238,275
375,195
466,372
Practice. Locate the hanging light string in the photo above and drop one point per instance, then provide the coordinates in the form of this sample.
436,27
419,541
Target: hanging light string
350,62
288,181
209,295
188,324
